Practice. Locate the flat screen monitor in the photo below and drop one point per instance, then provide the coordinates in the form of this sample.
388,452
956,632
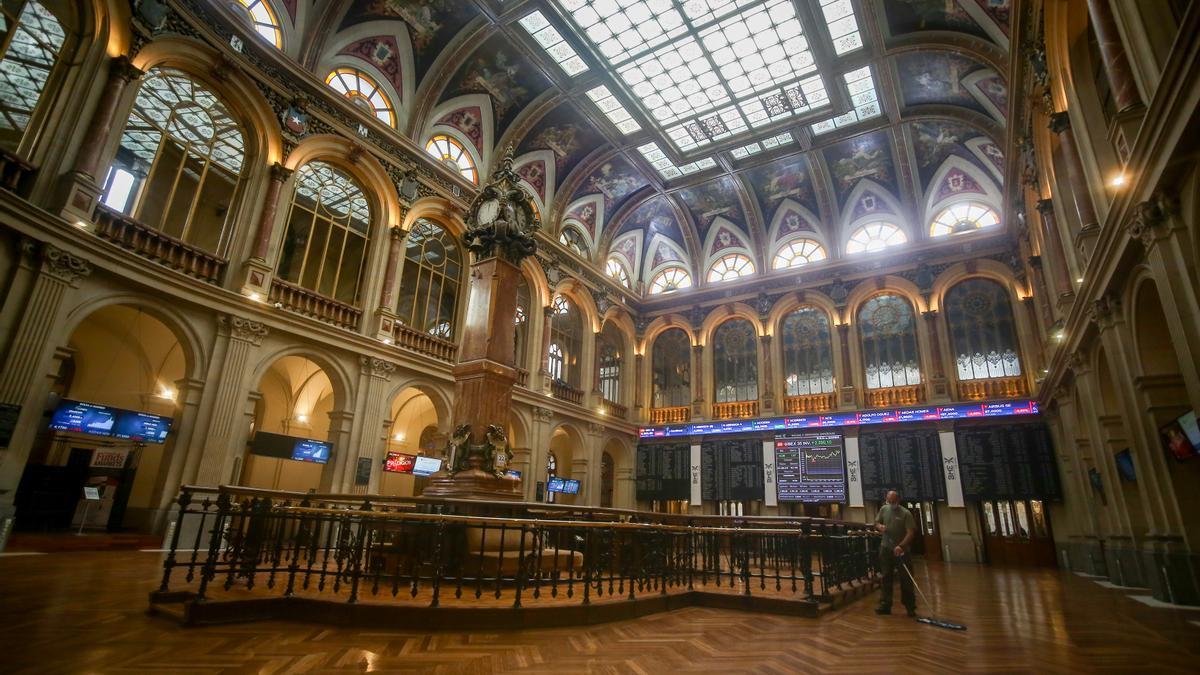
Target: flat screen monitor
570,487
1125,465
512,474
1176,439
426,466
140,426
398,462
1191,429
84,418
555,484
308,450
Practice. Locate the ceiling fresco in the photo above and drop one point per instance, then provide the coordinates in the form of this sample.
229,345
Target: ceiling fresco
787,178
431,24
911,16
561,133
865,157
706,202
499,70
933,141
947,78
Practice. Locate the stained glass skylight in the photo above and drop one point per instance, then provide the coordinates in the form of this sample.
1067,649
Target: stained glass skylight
708,70
613,110
843,27
864,101
552,41
666,168
759,146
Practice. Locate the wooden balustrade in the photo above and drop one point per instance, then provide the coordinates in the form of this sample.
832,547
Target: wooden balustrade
808,403
895,396
522,378
565,392
614,409
674,415
999,387
14,172
429,345
736,409
157,246
303,301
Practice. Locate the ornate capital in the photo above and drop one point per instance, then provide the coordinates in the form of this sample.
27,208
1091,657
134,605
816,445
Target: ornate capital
123,69
1060,122
377,367
1152,218
1105,311
63,265
595,428
245,330
280,173
1077,363
542,414
397,233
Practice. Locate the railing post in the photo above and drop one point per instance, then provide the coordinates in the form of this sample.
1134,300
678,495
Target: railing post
185,498
214,545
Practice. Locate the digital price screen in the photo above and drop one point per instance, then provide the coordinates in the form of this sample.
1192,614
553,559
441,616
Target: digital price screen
810,467
857,418
139,426
308,450
398,462
84,418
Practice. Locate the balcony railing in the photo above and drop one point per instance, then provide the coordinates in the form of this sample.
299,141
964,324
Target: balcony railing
614,409
808,403
522,378
14,172
157,246
565,392
1000,387
674,415
429,345
893,396
734,410
303,301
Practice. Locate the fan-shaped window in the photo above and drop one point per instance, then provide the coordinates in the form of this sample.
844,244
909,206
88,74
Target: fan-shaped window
888,328
573,239
670,279
262,20
450,152
179,165
615,270
874,237
31,39
670,367
982,334
798,252
807,352
608,356
328,227
429,287
963,217
520,335
730,267
363,91
566,341
735,361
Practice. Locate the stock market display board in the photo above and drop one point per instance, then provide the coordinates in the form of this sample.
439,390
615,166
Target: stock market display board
810,467
1007,462
909,461
662,471
731,470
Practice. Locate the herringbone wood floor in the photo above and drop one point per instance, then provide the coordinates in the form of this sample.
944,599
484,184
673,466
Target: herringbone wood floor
86,612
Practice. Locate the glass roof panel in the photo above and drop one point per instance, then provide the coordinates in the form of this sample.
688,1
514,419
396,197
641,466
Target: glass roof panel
864,101
546,35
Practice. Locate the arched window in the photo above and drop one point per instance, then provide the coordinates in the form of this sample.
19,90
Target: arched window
670,368
888,328
31,40
982,335
364,92
566,340
730,267
735,361
798,252
429,287
520,335
179,165
670,279
608,355
807,352
450,152
963,217
328,227
573,239
263,21
874,237
615,270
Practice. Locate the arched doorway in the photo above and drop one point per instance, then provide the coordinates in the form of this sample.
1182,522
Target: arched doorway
291,423
413,430
566,445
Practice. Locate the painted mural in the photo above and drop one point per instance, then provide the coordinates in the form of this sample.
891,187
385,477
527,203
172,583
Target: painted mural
469,121
787,178
865,156
383,53
616,179
707,201
563,132
936,78
431,23
909,16
934,141
654,216
1000,12
498,70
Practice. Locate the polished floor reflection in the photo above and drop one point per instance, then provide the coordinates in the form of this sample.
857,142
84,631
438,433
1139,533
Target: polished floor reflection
86,612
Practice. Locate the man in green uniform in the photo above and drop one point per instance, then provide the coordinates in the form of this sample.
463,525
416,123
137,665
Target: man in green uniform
898,528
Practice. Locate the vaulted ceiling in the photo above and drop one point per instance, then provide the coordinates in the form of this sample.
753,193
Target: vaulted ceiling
915,118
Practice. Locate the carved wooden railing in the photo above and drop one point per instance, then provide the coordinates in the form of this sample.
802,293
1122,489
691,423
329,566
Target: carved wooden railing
160,247
674,415
303,301
522,378
894,396
614,409
429,345
808,403
1000,387
14,171
565,392
737,409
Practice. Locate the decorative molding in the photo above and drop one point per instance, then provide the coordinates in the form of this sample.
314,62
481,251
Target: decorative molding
245,330
377,367
1152,218
542,414
64,266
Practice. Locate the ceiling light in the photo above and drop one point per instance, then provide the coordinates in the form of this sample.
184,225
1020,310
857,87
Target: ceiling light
1079,280
398,437
1118,180
302,418
253,295
1059,335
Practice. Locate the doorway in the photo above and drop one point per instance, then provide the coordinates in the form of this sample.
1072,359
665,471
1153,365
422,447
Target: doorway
1017,533
928,542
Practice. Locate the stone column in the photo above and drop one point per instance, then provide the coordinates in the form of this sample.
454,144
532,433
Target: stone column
258,270
385,314
1060,271
373,412
624,488
1041,293
1037,344
170,470
547,318
1112,52
241,337
939,388
847,389
640,390
698,382
768,385
341,427
540,442
1089,226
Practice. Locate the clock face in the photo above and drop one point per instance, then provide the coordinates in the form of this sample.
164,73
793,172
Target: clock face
487,212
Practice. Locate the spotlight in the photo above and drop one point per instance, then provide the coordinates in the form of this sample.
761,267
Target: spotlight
302,418
255,296
398,436
1118,180
387,341
1059,335
1079,280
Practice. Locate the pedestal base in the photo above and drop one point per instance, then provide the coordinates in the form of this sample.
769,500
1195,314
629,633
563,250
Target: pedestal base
473,484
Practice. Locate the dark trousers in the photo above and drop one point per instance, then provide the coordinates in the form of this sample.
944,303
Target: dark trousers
889,564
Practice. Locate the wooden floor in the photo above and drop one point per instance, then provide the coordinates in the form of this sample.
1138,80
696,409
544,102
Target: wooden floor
86,613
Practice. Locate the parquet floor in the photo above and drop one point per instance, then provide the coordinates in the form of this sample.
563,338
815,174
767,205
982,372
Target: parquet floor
86,613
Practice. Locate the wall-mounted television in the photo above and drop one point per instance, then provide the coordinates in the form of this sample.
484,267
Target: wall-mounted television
555,484
1181,436
140,426
100,420
570,486
1124,462
308,450
426,466
567,486
512,474
291,447
398,462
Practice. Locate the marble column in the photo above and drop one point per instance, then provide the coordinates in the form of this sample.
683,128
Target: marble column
170,470
847,378
698,382
768,385
1077,182
1053,252
266,220
371,438
1041,292
640,390
544,360
939,388
1112,52
396,236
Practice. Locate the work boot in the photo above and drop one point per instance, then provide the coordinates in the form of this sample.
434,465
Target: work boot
883,610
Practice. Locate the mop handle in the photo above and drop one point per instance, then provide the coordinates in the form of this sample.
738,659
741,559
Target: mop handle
914,583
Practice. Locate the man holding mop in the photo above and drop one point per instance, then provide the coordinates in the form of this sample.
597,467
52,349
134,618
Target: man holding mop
898,528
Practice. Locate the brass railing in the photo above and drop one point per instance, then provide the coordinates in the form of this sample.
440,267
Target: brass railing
808,403
892,396
160,247
565,392
14,172
614,409
734,410
309,303
429,345
1000,387
673,415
